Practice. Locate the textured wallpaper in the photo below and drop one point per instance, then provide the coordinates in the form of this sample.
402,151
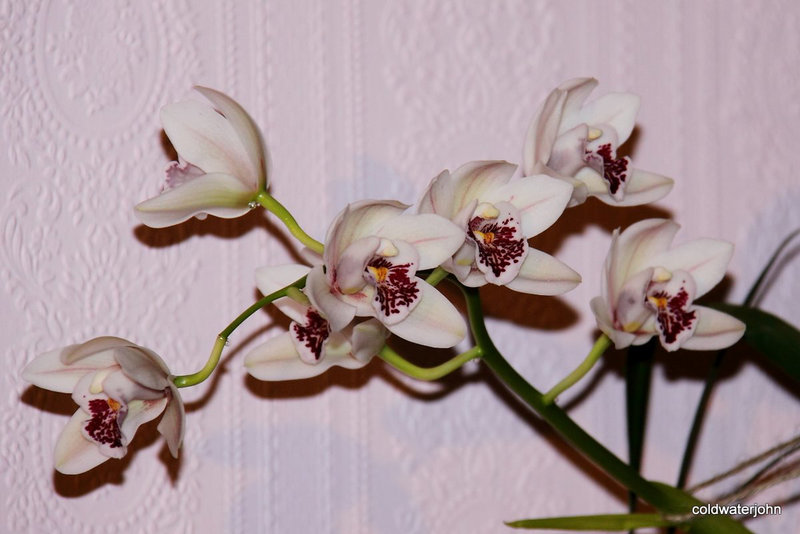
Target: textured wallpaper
366,99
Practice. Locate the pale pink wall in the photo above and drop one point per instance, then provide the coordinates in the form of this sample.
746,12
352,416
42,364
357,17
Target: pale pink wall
369,99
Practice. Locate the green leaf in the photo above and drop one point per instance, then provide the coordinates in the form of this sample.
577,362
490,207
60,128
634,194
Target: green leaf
638,371
770,335
751,295
605,523
708,524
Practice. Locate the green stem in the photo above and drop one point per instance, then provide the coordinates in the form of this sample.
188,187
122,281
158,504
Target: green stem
436,276
600,346
559,420
272,205
388,355
193,379
638,373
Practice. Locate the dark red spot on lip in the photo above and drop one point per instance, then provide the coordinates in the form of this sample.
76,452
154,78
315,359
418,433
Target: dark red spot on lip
673,316
103,427
502,249
314,333
398,290
615,170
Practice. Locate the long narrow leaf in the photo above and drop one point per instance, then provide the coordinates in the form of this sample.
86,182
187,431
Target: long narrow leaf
707,524
773,337
638,372
711,378
604,523
753,293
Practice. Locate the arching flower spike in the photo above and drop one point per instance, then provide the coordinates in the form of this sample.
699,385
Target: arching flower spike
578,143
372,253
118,386
497,217
649,289
309,348
222,163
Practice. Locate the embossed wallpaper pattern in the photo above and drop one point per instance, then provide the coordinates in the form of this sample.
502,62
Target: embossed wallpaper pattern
363,99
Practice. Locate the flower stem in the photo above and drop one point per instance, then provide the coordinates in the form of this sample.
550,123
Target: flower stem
436,276
270,204
600,346
388,355
183,381
558,419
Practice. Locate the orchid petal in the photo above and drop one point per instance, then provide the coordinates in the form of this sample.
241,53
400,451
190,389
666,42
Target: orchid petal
48,370
278,360
542,132
434,322
245,129
139,413
207,139
142,368
173,423
577,91
617,110
114,385
631,310
352,262
463,266
272,278
338,313
75,353
356,221
218,194
705,259
434,237
474,180
568,154
74,453
540,200
641,188
542,274
606,325
438,197
715,330
368,339
360,301
633,248
311,257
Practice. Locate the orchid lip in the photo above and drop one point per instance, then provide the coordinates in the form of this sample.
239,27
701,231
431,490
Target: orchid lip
397,291
311,337
103,427
500,245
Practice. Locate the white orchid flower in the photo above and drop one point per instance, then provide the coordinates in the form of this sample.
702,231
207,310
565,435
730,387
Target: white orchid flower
372,253
309,348
498,216
578,143
648,289
222,163
118,386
